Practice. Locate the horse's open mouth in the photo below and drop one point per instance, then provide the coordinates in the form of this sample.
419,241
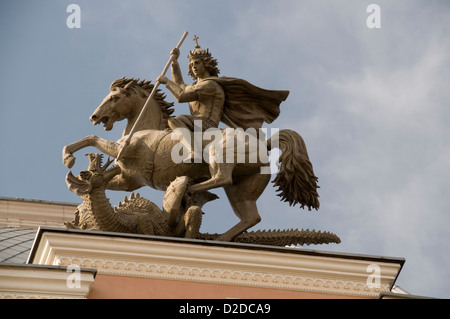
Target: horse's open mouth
107,122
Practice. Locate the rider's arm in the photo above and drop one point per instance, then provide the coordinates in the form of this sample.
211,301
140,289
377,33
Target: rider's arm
186,94
182,93
177,77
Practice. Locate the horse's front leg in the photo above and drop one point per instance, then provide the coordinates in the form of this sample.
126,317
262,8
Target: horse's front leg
108,147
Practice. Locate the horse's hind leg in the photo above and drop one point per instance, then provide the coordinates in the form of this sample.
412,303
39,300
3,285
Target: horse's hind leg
242,196
108,147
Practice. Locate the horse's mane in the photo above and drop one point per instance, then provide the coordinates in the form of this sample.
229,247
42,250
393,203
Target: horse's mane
144,88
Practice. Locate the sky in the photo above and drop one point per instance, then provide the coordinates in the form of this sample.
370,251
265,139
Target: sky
372,105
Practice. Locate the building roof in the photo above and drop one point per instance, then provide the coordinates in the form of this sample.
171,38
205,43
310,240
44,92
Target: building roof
205,242
15,244
20,218
195,261
19,221
28,213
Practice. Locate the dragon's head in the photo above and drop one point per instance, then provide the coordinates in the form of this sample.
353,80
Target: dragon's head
97,175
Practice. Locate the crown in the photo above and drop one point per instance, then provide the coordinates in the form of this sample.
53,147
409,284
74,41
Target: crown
198,52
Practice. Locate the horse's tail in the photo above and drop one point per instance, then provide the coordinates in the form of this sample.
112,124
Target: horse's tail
295,179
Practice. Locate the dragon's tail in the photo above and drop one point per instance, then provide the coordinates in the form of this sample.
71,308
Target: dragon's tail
282,237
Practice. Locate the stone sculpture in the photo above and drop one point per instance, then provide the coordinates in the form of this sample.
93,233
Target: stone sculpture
145,155
180,216
136,214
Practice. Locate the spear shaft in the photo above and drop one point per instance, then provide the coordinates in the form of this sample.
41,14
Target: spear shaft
150,97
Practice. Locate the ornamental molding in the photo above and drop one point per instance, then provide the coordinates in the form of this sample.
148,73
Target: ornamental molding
197,261
225,276
19,281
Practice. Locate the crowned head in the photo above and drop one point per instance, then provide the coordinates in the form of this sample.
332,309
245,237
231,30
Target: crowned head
205,56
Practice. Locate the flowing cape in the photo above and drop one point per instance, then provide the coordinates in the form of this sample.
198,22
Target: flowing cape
247,105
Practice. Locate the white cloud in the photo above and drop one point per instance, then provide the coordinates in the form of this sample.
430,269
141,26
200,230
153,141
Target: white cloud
390,162
398,98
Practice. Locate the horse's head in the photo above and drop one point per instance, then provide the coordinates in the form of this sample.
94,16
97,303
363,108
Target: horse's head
126,100
116,106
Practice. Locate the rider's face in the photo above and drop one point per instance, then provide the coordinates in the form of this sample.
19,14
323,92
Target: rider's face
198,68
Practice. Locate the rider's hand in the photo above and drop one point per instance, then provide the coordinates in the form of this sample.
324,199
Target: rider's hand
162,79
176,53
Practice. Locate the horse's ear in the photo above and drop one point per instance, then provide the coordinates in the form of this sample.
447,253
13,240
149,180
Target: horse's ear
116,84
129,84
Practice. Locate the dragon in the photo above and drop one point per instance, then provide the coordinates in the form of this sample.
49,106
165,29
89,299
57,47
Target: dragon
180,215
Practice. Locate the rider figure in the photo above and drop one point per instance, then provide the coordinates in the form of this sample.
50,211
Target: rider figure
206,97
213,99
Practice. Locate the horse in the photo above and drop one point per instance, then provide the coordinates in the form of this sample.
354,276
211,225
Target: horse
147,160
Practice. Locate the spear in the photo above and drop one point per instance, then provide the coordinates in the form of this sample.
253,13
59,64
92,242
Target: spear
150,97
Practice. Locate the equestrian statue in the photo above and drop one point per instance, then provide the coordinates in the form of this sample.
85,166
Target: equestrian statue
158,149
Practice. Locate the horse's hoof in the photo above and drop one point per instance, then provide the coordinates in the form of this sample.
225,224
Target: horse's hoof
69,160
